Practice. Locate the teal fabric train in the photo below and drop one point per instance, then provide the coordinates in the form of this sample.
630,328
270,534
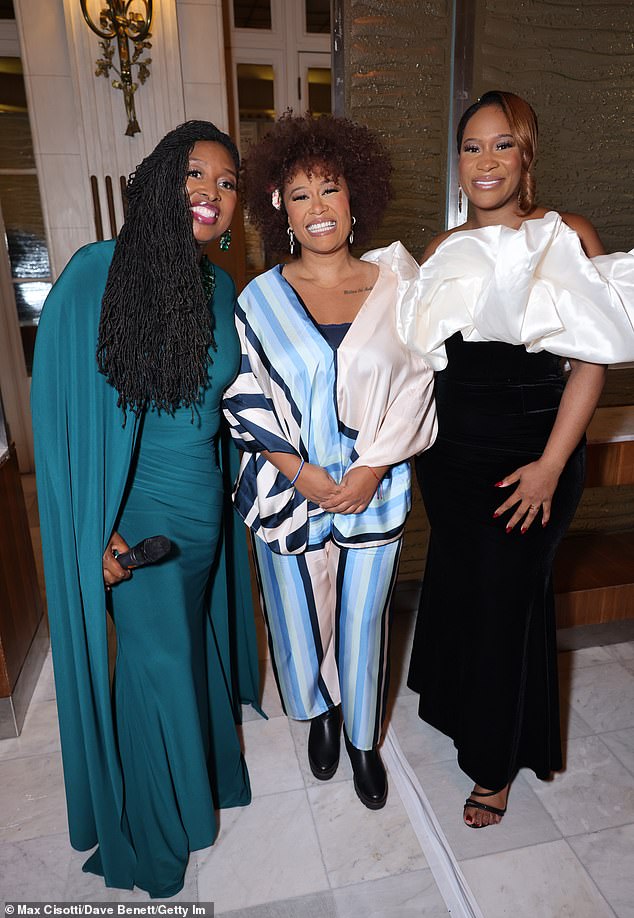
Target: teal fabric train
94,473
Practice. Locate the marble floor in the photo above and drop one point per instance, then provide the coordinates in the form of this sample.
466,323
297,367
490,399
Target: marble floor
307,849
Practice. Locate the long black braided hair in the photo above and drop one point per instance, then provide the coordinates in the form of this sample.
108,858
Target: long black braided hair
156,327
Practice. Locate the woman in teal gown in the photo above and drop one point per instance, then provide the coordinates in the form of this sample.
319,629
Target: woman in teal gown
136,344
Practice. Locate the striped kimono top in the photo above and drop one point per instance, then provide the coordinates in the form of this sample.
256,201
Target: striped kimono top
370,402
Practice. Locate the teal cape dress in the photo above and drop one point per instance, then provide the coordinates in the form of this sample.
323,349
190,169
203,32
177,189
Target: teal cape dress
145,764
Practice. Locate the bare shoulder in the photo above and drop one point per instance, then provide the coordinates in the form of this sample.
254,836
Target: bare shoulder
436,241
586,232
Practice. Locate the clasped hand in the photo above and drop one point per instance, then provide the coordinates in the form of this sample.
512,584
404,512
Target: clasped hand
113,573
353,495
536,483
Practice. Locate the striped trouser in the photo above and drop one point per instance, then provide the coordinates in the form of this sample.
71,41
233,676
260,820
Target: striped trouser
328,617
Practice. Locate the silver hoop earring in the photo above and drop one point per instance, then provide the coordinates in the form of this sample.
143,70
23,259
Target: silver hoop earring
351,236
291,239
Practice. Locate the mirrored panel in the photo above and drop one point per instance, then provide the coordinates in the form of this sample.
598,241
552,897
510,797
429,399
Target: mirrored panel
24,226
256,104
320,90
29,299
252,14
16,147
317,16
256,92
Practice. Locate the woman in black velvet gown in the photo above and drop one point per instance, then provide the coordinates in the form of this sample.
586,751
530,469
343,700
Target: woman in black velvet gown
500,486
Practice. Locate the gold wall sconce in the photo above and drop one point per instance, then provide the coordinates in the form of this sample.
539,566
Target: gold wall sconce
117,20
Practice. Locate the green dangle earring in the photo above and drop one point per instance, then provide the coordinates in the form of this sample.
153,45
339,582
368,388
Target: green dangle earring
225,241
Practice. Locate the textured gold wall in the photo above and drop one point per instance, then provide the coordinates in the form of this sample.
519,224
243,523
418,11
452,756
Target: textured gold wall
397,57
397,74
574,62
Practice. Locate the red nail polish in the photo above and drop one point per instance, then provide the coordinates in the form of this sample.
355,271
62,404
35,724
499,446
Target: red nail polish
498,484
523,530
495,515
509,529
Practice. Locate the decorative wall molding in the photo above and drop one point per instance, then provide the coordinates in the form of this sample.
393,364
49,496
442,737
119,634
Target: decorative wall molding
159,102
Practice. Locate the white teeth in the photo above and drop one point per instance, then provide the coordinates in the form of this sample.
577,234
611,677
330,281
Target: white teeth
204,208
326,224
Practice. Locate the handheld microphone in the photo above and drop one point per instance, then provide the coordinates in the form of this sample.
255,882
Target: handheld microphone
147,551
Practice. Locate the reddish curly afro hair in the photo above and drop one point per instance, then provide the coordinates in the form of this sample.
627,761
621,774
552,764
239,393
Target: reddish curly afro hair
336,146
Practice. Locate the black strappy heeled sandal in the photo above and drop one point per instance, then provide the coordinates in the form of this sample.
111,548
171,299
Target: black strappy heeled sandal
496,810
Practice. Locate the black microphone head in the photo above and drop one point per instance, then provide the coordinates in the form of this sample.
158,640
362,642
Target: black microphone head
155,547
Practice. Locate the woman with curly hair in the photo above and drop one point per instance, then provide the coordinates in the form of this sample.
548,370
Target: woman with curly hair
136,344
328,407
500,300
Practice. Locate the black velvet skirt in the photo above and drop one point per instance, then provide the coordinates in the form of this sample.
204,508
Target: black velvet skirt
484,655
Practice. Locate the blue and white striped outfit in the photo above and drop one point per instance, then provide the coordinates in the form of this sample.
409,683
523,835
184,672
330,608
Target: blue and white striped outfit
326,578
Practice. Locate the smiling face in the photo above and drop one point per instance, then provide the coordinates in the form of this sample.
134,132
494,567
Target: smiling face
211,186
490,164
318,211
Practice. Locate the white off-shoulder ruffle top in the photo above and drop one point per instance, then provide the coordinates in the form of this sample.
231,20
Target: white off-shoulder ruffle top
533,286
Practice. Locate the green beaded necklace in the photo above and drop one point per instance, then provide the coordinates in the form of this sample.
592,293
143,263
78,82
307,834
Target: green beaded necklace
208,277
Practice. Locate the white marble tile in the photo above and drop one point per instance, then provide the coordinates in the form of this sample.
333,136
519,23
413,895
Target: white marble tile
45,688
623,652
525,823
271,757
319,905
88,887
34,869
621,743
39,736
359,844
572,724
543,881
299,732
202,45
603,695
585,656
420,742
408,895
605,856
32,800
595,792
265,852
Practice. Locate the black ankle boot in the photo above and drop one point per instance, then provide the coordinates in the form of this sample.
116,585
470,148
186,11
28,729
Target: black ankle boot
323,744
370,780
